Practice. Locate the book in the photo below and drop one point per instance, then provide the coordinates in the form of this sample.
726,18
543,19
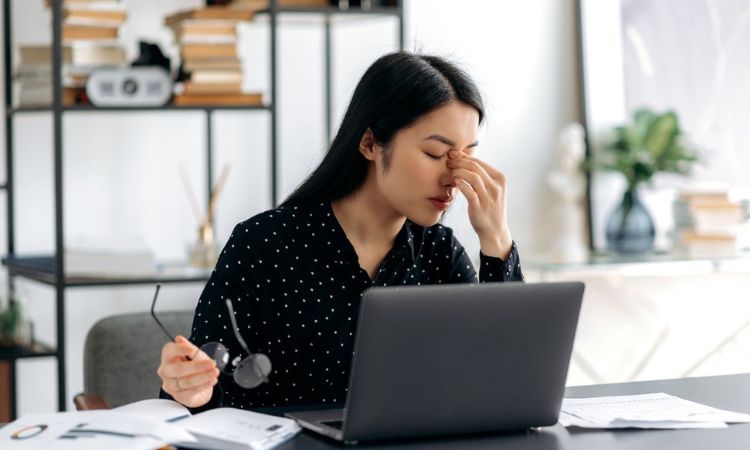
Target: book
199,51
216,76
715,216
97,3
190,88
246,99
700,244
92,263
193,65
220,428
210,13
109,256
205,27
40,94
94,17
710,220
74,32
192,38
71,76
78,54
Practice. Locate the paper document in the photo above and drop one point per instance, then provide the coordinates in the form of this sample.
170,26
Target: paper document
89,430
239,429
147,425
657,410
157,408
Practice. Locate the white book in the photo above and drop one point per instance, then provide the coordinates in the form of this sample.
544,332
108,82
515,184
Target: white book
103,264
216,76
207,39
111,256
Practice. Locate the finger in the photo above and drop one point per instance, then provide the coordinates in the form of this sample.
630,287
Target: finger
181,340
474,166
491,171
474,180
181,369
199,379
189,393
180,349
471,197
174,353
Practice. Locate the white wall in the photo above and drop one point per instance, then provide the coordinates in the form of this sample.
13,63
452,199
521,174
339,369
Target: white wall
523,56
121,170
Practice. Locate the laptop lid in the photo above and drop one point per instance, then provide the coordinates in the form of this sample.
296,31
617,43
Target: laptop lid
463,358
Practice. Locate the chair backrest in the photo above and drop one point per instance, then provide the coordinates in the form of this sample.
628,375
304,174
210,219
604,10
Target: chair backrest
122,353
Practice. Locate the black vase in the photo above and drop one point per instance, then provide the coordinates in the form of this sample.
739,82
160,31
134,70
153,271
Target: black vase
630,229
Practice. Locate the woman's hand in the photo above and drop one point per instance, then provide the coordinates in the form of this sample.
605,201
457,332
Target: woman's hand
187,374
484,188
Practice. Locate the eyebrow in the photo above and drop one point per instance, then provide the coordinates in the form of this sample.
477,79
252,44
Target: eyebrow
446,141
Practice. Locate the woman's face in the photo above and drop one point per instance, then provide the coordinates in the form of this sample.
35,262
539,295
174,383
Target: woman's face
417,183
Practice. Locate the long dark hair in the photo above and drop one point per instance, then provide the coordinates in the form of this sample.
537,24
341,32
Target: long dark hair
395,91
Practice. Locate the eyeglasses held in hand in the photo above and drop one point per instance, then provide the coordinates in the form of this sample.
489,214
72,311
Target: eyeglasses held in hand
248,372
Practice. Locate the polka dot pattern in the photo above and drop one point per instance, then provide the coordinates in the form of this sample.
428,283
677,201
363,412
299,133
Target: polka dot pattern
295,283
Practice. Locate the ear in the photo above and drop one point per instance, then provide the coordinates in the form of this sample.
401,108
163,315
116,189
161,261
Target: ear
367,145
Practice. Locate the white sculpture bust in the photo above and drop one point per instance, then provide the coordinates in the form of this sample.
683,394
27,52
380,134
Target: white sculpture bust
569,185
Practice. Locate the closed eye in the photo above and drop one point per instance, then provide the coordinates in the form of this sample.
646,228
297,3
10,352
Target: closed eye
431,156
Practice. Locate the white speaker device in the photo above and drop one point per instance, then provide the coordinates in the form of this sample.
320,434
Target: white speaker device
130,86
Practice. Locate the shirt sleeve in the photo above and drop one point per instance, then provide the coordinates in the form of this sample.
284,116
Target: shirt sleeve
492,269
230,279
498,269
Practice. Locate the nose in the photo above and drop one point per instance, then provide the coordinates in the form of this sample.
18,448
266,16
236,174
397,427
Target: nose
447,179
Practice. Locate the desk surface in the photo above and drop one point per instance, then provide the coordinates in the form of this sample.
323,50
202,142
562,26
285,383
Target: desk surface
730,392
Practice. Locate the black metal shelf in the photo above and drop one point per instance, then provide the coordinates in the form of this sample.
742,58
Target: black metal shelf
37,350
43,270
97,109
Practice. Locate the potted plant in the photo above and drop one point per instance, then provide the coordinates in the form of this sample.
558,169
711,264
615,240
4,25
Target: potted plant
10,321
650,144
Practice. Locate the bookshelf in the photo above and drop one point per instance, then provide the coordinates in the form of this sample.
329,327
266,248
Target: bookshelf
49,269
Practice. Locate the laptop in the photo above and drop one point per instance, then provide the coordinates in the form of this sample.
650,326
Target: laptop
454,359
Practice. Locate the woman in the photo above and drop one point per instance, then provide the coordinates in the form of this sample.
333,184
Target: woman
367,216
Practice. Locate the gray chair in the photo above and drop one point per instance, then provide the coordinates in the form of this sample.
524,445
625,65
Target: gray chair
121,355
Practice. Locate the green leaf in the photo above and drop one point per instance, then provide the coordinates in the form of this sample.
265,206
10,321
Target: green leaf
650,144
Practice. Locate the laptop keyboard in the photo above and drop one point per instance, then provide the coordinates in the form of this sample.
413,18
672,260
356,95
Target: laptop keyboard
338,424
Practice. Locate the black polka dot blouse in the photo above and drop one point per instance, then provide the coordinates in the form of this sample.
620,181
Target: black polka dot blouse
295,283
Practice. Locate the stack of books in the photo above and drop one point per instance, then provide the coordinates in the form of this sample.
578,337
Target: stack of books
89,33
710,222
208,42
91,20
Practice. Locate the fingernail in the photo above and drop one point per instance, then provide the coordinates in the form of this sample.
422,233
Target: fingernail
452,153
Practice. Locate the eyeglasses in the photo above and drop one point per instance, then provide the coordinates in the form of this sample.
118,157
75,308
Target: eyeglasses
248,372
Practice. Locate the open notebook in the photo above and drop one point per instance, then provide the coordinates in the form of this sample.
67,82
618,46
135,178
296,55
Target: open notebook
146,425
220,428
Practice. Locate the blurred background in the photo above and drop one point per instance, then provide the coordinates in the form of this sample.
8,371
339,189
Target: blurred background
618,123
